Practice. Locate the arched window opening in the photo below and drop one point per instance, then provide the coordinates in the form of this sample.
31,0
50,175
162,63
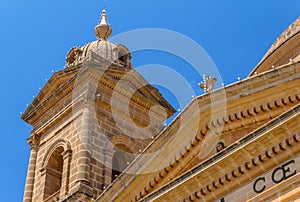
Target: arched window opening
121,159
54,169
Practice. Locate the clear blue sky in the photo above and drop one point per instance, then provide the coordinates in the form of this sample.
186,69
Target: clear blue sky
36,35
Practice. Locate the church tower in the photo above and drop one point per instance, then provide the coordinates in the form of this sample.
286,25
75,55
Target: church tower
90,120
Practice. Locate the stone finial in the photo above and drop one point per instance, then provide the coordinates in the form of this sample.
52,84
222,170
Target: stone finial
208,83
103,30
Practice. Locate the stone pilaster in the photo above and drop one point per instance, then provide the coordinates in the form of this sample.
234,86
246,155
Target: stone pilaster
84,148
33,141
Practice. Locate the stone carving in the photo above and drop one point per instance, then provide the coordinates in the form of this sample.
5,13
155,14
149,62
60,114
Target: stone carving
208,83
73,55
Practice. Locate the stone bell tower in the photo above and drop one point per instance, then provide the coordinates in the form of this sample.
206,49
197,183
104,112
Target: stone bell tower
90,120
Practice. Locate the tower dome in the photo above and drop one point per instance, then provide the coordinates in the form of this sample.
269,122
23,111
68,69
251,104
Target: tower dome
284,50
103,48
113,53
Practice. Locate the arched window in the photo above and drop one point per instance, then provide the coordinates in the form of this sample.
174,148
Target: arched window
54,169
121,159
116,165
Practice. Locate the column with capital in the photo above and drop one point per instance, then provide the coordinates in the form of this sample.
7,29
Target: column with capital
28,192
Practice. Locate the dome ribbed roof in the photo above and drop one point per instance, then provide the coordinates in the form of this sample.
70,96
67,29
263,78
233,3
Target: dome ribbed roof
284,49
101,47
105,49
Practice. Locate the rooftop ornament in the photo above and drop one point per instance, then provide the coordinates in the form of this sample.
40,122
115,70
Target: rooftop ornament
208,83
103,30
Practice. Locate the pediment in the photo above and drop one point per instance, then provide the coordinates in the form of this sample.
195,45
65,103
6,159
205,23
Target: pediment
57,81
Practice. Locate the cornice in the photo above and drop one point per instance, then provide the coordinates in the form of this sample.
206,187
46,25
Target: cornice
41,98
110,78
147,90
272,152
115,72
39,116
264,111
47,104
194,147
235,173
291,183
143,87
44,126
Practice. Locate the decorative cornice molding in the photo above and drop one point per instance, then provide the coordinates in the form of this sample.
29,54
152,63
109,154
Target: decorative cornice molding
193,148
40,99
259,159
271,152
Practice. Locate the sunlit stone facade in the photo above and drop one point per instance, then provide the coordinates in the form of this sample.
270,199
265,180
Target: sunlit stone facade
98,133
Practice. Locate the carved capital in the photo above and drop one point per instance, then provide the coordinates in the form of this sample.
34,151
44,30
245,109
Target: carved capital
67,154
33,141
